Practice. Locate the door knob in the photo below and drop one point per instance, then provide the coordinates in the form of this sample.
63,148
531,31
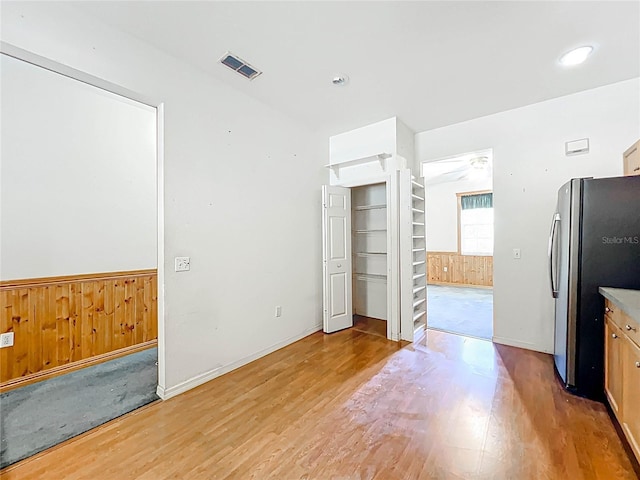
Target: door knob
607,309
630,328
613,335
339,265
637,364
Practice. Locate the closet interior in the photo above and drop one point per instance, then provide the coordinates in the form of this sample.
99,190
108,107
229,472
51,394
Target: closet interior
369,250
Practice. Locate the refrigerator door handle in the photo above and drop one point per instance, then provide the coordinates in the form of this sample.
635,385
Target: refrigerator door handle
552,260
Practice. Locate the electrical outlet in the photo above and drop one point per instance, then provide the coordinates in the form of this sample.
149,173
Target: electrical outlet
6,340
278,311
516,253
183,264
445,269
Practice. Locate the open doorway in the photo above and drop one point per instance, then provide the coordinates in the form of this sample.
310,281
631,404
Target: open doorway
459,206
78,281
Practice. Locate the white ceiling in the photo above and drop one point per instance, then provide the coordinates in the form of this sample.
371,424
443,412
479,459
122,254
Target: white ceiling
430,63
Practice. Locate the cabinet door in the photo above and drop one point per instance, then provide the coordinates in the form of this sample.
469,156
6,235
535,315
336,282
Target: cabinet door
613,365
632,160
631,395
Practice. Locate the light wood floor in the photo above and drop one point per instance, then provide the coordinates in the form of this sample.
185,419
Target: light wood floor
356,406
370,325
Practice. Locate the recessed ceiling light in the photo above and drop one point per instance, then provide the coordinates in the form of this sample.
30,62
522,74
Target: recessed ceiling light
576,56
340,80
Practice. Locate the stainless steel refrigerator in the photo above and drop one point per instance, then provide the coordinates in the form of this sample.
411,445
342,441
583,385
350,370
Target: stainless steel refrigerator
594,241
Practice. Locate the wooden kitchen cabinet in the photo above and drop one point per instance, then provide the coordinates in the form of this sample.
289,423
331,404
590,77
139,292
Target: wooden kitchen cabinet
631,159
613,365
631,395
622,371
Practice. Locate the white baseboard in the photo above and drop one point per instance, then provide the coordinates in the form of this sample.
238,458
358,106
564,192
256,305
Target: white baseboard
520,344
167,393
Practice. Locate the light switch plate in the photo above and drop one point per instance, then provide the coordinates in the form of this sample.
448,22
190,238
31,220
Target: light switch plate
183,264
516,253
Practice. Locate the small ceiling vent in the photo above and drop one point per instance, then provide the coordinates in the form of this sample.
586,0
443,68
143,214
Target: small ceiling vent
240,66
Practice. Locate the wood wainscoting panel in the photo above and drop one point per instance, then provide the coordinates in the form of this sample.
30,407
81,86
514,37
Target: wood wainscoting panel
61,320
471,270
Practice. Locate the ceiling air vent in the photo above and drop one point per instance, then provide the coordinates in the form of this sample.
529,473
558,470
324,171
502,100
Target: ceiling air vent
237,64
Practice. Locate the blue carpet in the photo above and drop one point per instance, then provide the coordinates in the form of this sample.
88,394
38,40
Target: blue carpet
462,310
38,416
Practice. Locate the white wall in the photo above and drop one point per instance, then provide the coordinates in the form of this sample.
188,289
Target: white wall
366,141
405,142
529,166
241,197
389,136
442,212
78,177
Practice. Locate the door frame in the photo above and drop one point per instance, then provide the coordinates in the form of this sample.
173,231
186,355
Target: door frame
64,70
393,245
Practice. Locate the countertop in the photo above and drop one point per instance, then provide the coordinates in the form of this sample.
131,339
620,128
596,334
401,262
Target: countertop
627,300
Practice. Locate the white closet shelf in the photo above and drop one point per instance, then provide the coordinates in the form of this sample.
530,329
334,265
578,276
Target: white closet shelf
419,302
371,231
417,197
417,236
421,262
380,157
416,184
366,276
417,210
369,207
418,224
418,315
419,275
419,289
371,254
418,250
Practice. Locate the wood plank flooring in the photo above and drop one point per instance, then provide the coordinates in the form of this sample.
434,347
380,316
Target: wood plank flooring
351,405
374,326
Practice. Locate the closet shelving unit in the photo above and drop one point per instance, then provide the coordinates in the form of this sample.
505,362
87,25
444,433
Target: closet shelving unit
369,248
420,256
414,260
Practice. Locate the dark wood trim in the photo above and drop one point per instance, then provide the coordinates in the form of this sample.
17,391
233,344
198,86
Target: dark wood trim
476,192
71,367
28,282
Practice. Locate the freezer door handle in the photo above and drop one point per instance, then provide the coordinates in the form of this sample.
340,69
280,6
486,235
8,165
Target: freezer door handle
552,259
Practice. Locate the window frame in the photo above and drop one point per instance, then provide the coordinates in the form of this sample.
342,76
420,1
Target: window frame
459,196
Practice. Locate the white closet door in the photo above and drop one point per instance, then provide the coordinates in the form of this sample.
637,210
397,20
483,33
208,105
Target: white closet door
336,258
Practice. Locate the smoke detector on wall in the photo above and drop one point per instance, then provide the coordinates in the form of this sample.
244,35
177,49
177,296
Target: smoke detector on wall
238,65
